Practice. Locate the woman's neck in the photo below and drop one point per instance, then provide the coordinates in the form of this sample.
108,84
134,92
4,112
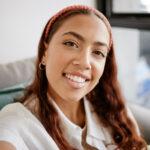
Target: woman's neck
73,110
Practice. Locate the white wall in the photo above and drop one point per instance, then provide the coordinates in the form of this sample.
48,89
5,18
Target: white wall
127,47
21,24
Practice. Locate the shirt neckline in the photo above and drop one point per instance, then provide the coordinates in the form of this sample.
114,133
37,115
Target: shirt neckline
95,130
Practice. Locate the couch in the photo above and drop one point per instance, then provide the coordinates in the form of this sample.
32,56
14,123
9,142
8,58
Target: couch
15,76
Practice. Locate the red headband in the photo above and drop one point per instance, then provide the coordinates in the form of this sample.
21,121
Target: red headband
79,7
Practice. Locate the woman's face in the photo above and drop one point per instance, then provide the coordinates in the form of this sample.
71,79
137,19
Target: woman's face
75,57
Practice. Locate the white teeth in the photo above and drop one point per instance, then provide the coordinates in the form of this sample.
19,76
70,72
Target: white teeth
75,78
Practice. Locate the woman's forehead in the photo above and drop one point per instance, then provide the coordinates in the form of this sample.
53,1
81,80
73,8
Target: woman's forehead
88,26
80,19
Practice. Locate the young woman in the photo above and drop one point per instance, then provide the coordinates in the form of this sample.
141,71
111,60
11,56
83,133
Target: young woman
74,101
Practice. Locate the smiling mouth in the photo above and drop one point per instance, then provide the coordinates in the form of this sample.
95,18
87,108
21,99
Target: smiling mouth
75,81
76,78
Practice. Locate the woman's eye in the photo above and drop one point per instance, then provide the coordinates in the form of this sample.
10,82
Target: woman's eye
99,53
70,44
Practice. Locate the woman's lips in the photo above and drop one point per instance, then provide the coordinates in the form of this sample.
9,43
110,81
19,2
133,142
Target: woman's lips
76,80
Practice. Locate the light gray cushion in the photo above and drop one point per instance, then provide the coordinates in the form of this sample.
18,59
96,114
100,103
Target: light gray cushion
16,72
14,77
142,116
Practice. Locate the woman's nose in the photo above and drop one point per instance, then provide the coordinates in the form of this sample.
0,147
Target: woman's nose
83,61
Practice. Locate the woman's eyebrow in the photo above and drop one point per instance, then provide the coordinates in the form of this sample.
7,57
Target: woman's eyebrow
81,38
76,35
100,44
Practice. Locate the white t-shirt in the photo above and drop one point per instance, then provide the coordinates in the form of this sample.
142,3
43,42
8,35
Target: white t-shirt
21,128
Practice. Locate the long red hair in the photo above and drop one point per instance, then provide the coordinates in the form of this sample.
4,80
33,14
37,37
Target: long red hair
106,97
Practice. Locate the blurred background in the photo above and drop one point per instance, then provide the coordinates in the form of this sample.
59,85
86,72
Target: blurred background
22,22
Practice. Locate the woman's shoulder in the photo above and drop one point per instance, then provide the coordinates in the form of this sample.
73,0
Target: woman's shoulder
12,121
14,109
21,128
19,109
12,115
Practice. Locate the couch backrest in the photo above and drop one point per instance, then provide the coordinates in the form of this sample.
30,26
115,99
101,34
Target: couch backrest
14,77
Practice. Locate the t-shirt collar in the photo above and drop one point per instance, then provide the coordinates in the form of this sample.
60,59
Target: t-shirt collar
96,133
94,128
